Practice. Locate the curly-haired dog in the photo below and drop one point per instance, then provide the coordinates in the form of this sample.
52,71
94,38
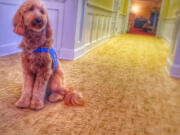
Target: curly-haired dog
41,70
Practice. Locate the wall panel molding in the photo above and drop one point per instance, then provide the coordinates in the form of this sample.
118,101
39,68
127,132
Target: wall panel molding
166,30
96,29
9,41
56,12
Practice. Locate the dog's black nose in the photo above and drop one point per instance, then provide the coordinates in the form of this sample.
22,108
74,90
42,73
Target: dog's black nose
38,20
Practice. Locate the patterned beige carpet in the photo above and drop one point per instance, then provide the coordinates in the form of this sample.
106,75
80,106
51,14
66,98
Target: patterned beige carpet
126,89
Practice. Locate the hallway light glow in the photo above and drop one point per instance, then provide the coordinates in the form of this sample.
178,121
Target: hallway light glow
135,9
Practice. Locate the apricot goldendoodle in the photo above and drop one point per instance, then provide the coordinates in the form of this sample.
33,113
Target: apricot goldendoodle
41,69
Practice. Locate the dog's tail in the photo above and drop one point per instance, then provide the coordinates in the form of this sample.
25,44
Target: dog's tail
72,98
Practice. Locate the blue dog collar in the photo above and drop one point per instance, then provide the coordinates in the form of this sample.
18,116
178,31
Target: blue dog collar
52,53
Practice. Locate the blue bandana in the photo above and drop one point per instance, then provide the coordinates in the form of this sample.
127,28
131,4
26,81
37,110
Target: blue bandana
52,53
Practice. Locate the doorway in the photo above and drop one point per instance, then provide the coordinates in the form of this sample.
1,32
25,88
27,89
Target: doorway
144,17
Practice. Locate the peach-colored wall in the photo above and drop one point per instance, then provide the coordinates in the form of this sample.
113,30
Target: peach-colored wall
144,8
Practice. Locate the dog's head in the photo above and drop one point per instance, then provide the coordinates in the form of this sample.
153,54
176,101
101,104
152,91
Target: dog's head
32,15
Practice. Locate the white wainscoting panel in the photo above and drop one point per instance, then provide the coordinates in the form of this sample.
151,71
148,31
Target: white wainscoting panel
56,14
96,29
8,40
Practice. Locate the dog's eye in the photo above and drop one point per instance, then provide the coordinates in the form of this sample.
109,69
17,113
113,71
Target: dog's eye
42,11
31,9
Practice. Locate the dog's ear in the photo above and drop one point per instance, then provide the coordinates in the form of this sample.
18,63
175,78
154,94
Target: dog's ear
48,29
18,22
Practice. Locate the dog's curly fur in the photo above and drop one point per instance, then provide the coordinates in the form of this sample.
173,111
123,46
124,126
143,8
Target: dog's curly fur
37,67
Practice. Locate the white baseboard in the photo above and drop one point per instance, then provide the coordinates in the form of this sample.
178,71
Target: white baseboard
81,51
66,54
173,70
12,48
8,49
167,70
168,42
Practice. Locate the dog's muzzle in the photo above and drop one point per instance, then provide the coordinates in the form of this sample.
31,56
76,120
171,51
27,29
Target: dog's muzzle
38,21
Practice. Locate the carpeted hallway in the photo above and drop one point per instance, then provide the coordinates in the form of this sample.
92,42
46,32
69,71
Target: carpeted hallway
126,89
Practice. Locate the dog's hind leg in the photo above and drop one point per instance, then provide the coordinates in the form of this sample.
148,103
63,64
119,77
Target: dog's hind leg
56,86
60,92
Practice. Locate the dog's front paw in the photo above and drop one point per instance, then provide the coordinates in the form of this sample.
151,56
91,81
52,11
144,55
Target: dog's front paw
23,102
36,104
